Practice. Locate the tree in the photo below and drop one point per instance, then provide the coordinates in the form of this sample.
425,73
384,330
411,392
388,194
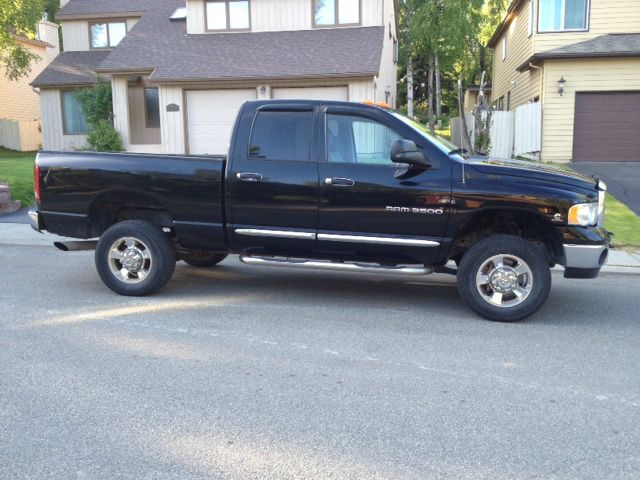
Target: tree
444,41
18,18
407,10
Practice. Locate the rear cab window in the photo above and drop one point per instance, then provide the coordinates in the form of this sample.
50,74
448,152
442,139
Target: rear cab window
281,135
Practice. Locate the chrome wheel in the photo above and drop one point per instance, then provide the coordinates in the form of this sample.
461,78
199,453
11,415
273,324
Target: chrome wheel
504,281
130,260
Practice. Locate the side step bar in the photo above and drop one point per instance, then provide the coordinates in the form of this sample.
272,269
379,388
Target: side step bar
325,265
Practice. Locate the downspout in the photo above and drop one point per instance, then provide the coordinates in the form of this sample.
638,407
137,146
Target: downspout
541,70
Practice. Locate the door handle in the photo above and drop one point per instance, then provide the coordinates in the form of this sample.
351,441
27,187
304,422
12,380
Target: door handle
339,182
249,177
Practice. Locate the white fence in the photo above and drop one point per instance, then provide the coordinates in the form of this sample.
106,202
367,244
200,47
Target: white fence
457,135
528,129
502,135
20,135
516,133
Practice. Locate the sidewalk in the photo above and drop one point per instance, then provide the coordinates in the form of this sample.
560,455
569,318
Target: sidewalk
22,234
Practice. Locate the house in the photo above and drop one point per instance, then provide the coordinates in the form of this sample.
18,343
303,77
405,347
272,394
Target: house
180,71
19,104
472,97
581,60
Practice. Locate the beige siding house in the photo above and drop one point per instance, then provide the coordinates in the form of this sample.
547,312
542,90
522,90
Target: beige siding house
180,70
19,104
581,60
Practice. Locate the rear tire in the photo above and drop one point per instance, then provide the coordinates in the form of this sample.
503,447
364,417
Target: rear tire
504,278
203,258
135,258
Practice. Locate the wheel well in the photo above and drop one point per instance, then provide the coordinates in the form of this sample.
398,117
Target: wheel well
522,224
118,206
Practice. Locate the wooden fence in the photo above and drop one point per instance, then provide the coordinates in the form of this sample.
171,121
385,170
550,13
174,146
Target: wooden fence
20,135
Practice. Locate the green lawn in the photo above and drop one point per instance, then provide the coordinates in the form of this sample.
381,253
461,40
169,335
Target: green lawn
16,169
625,224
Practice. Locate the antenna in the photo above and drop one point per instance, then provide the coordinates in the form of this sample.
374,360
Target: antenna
462,119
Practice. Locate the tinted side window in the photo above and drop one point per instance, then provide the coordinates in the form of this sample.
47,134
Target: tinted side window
352,139
281,136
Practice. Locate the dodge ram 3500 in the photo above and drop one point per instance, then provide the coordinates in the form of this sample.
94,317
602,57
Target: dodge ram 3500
329,185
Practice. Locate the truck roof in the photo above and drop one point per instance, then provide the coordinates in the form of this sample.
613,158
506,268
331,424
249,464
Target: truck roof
339,103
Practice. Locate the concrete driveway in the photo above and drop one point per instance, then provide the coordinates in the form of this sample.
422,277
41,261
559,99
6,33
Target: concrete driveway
623,179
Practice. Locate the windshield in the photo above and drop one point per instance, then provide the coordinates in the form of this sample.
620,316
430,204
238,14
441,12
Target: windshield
443,144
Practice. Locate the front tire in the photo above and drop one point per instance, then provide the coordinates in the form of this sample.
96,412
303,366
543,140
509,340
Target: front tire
135,258
504,278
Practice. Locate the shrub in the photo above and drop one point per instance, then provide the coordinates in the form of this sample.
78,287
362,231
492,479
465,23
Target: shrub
97,105
103,137
96,102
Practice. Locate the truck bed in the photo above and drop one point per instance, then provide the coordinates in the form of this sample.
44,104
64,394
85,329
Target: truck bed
77,185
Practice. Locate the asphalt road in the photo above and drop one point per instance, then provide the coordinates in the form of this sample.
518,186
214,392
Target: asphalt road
249,373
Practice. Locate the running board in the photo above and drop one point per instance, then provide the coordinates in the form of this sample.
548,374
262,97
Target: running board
342,267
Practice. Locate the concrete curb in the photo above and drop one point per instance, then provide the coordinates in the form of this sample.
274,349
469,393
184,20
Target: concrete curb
16,234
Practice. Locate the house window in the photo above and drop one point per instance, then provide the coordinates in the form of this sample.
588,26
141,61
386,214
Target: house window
284,136
74,121
504,48
152,107
227,15
330,13
501,103
563,15
107,35
508,101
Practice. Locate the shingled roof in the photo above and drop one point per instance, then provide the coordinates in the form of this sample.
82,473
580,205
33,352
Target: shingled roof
161,46
606,46
305,53
83,8
71,69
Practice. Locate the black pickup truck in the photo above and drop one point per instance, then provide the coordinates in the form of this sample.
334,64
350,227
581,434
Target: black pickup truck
336,186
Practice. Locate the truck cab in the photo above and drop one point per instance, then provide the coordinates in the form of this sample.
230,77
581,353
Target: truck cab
321,180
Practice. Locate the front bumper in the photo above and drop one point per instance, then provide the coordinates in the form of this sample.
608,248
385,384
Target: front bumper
586,250
584,261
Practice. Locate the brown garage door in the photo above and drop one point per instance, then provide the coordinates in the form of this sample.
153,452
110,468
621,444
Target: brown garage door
607,127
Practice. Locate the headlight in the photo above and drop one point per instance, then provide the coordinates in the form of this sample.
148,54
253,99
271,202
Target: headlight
584,215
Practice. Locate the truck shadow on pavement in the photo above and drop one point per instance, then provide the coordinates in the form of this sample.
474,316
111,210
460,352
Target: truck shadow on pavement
436,296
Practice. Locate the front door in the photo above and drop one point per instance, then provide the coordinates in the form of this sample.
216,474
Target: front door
273,184
371,208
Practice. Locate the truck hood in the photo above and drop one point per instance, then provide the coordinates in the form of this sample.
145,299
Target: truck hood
531,170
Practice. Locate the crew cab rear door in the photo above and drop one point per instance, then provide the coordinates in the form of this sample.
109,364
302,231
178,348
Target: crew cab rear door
371,208
272,182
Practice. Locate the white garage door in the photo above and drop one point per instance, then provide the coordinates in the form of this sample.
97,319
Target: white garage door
317,93
210,116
